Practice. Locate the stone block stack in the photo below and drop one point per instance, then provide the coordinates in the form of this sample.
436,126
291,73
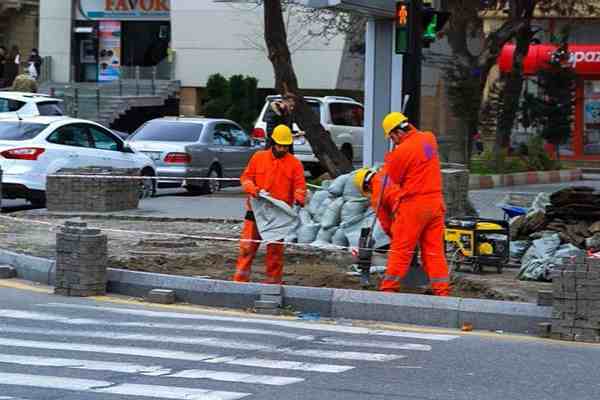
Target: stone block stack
576,306
94,193
81,261
456,190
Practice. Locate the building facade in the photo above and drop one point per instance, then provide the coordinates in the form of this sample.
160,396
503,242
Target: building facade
19,24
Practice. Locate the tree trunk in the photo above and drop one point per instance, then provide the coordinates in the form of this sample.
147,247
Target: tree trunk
320,140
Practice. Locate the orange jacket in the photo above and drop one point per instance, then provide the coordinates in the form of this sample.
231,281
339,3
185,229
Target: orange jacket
385,210
414,165
283,177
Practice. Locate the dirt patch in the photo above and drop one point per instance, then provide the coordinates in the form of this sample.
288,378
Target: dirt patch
182,248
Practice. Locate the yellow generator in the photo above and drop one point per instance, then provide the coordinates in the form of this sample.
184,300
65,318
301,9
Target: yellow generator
477,242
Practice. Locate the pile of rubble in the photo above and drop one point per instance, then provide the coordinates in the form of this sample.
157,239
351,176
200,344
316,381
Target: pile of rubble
568,226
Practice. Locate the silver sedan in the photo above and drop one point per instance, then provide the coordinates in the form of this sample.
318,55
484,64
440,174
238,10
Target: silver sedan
184,148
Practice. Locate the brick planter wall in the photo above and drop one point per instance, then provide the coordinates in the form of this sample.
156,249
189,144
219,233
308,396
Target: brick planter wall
93,194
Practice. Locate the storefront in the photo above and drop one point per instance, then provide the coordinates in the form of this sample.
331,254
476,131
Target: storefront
112,35
585,139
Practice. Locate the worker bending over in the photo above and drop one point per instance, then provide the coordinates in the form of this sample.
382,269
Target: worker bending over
281,175
414,166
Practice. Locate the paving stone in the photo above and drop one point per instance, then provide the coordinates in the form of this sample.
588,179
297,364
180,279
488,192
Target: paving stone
161,296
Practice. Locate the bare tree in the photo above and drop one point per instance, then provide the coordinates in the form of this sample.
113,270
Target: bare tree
286,81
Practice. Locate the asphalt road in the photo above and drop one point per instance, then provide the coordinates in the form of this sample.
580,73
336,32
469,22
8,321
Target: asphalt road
229,203
55,348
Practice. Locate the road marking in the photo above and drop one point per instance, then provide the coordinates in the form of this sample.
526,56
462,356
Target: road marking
95,386
37,316
282,323
168,354
279,364
379,345
209,342
236,377
153,370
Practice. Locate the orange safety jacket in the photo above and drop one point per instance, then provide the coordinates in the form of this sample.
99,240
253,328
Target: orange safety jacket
282,177
389,200
414,165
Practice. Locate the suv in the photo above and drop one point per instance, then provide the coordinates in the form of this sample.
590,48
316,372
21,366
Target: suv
342,117
22,104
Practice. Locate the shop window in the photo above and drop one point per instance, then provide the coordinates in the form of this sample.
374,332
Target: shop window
591,118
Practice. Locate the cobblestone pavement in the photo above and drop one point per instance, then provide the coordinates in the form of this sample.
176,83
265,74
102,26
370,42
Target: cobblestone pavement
485,200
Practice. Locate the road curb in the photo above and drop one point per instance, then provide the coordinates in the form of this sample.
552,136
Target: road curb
447,312
523,178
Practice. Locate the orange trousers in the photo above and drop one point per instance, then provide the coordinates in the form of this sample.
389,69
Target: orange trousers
418,221
248,249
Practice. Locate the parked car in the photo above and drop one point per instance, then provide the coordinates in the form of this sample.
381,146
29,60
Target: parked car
20,104
342,117
32,148
194,148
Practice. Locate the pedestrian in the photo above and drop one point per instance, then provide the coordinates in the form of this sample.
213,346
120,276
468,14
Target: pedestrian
3,55
280,112
36,61
414,166
478,143
281,175
12,66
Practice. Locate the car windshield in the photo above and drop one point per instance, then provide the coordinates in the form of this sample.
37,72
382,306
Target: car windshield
314,105
14,130
9,105
168,131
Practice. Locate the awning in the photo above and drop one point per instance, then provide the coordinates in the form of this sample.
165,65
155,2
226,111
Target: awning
585,57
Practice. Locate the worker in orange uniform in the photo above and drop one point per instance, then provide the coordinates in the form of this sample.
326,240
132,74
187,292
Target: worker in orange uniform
280,174
371,183
414,166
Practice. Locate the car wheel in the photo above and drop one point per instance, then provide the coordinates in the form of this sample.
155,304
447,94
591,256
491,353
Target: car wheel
147,186
208,186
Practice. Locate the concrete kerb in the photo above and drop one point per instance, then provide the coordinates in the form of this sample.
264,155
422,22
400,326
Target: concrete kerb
523,178
335,303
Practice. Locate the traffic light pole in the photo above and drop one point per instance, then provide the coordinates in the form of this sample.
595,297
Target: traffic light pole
412,63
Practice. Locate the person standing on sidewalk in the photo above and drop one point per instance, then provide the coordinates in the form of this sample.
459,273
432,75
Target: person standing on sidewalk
414,166
281,175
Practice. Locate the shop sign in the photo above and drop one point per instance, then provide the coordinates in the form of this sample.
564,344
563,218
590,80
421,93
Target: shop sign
584,58
123,10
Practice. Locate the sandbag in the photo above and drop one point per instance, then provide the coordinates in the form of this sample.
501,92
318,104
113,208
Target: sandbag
332,215
324,206
537,257
316,201
308,233
325,235
353,227
353,208
380,238
275,219
518,249
337,186
339,238
305,217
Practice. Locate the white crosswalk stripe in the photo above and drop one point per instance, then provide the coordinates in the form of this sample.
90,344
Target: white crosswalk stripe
127,389
209,342
153,335
282,323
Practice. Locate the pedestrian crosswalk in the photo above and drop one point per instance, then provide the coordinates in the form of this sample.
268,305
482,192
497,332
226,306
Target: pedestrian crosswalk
127,353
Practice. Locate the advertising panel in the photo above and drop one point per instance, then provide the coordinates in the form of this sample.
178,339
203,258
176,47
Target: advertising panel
109,51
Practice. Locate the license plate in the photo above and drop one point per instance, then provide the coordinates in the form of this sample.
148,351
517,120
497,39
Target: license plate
153,155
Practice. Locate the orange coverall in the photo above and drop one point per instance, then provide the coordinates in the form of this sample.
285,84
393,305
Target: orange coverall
389,200
414,165
284,179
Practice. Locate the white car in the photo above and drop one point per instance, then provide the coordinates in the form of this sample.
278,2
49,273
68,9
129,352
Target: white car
34,147
342,117
21,104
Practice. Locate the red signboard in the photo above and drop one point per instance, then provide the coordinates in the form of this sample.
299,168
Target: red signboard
584,57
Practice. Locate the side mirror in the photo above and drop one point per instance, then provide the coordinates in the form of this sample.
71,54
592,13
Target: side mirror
127,149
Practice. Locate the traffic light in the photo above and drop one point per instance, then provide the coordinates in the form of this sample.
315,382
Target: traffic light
433,23
402,27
